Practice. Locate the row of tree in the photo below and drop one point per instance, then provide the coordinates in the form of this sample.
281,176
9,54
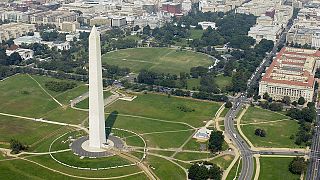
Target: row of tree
60,86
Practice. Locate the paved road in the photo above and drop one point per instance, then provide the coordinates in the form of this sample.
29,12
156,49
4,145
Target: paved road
313,172
230,131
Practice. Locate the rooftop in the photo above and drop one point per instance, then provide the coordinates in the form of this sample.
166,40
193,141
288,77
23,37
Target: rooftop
293,66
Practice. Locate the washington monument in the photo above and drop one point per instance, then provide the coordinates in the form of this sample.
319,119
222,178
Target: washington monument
97,132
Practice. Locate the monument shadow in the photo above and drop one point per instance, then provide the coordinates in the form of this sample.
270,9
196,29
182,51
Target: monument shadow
109,123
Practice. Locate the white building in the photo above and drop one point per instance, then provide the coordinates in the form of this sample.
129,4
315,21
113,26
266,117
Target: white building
291,74
58,45
118,21
206,24
269,32
202,134
24,53
27,40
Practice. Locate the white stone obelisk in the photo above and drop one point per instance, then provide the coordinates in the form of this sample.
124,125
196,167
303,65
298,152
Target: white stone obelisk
97,132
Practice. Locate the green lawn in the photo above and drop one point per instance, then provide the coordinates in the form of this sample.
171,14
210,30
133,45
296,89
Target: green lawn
255,115
278,133
235,170
193,84
223,81
276,168
66,115
162,107
163,153
224,112
73,160
49,162
68,95
20,169
134,141
190,156
223,161
20,95
142,125
167,140
26,131
165,169
196,33
162,60
193,145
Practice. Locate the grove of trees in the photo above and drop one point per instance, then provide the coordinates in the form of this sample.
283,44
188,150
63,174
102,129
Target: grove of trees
205,170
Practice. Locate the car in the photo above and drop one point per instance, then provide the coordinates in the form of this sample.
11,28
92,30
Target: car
234,135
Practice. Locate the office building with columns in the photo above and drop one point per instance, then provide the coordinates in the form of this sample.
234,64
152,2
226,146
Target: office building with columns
291,74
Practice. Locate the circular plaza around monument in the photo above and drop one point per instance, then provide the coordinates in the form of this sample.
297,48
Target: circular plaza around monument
81,147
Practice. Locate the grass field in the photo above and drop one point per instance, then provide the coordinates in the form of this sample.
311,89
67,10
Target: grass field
223,161
21,129
276,168
20,95
256,115
163,140
165,169
162,60
46,159
223,81
278,132
224,112
188,156
194,145
71,159
196,33
235,170
193,84
156,118
162,107
66,115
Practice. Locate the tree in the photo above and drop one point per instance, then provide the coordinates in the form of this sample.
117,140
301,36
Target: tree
215,141
275,106
14,59
256,97
301,101
266,96
16,146
227,71
228,104
286,100
204,170
198,172
294,103
260,132
59,86
208,85
298,165
146,30
215,172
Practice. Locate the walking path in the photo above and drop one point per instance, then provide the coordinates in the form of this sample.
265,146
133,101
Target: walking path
257,173
185,142
45,90
44,121
265,122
